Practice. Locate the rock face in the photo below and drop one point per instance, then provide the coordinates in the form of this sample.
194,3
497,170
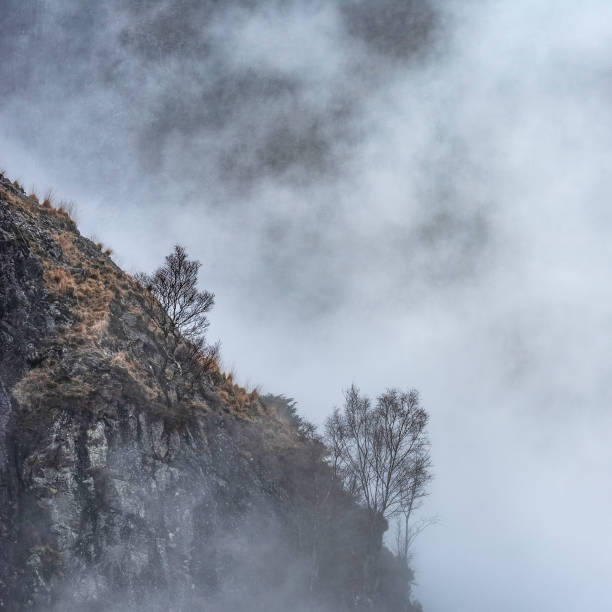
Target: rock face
118,484
130,480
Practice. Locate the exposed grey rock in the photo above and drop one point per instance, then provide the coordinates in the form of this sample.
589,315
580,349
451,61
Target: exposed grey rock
5,413
110,486
127,484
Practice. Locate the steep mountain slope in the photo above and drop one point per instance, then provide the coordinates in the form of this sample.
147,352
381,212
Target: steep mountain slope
125,483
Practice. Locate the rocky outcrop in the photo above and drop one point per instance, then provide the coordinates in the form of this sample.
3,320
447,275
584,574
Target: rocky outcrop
132,479
118,485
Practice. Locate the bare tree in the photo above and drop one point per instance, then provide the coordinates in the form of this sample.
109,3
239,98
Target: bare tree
183,308
180,311
411,501
381,452
406,532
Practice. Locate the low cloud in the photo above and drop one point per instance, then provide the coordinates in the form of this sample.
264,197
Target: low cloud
392,193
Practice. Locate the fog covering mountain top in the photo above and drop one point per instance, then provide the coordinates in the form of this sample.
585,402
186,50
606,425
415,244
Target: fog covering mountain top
389,207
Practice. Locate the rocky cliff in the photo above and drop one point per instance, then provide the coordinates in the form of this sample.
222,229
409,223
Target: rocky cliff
123,485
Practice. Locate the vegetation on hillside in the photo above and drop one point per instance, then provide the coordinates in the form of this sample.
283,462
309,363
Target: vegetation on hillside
343,488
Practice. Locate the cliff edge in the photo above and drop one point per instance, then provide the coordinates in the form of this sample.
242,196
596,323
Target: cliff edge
124,484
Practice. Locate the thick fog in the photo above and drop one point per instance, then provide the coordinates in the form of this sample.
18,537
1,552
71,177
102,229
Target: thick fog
390,193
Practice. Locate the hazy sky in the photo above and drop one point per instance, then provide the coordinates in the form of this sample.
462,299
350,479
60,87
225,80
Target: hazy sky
384,192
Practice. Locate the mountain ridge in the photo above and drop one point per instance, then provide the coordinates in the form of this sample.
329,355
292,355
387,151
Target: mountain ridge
127,485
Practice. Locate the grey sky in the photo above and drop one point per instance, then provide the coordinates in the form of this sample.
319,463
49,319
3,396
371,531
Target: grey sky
390,193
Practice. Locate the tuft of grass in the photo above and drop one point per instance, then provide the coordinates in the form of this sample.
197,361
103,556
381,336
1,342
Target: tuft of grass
101,247
93,294
62,281
237,399
66,240
67,208
48,200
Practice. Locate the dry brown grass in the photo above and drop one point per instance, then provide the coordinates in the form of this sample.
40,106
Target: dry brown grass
65,209
92,298
27,208
101,247
48,200
25,390
73,254
93,301
136,372
122,360
66,241
39,382
84,285
91,284
99,326
44,392
32,207
60,280
240,401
